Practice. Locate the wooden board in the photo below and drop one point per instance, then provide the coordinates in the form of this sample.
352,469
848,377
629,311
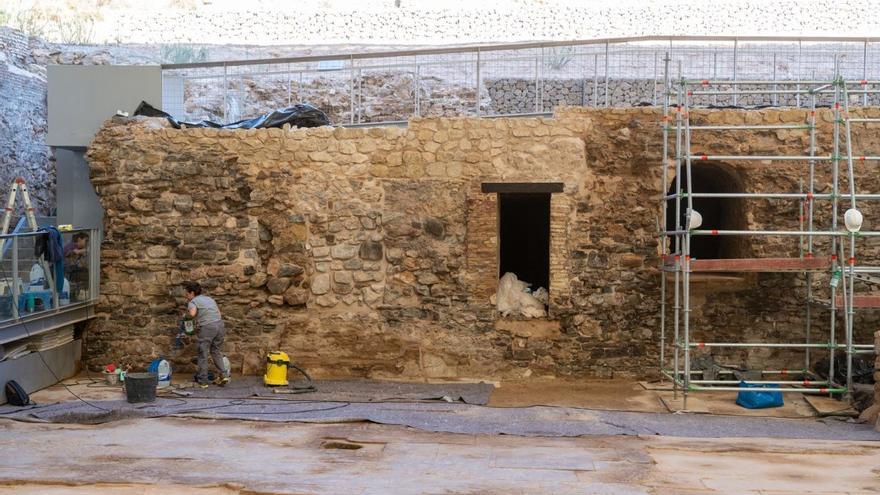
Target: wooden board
826,406
664,385
861,301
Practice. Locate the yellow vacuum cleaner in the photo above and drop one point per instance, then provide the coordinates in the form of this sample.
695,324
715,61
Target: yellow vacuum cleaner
276,369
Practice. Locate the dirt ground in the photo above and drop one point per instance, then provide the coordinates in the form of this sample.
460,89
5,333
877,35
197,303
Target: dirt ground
194,456
235,457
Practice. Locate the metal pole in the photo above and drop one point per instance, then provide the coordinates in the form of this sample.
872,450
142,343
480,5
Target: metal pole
606,75
537,75
687,250
595,80
16,293
775,96
225,91
477,103
851,314
769,345
540,84
865,71
289,88
678,226
852,242
715,72
801,214
835,190
360,94
735,47
351,87
654,89
809,206
584,83
664,240
797,96
417,98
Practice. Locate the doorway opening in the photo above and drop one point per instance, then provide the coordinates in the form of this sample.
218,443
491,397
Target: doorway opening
524,237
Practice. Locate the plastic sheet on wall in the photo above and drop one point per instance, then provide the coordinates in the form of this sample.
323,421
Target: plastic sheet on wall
299,115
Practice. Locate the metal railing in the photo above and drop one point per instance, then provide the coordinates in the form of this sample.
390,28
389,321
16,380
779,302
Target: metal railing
516,78
26,292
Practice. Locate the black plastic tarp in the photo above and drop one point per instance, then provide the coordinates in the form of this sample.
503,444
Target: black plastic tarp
299,115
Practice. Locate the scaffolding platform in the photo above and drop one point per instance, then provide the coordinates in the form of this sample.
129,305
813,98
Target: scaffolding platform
839,253
860,302
816,264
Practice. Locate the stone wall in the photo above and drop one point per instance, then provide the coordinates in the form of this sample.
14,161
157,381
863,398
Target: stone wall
517,95
373,252
23,126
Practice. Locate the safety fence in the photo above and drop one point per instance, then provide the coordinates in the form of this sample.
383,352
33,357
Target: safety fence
515,79
26,291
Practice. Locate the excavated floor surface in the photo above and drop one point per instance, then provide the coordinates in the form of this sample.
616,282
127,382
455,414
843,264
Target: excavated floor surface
195,456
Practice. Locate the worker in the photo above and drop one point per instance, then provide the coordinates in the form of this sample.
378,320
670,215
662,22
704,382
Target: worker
76,265
211,332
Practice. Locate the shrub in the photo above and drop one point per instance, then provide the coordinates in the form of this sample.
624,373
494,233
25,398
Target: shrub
183,54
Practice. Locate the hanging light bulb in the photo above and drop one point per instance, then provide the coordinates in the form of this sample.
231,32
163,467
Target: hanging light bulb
853,220
696,219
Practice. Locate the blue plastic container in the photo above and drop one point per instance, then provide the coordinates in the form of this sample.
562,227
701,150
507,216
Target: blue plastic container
755,398
162,369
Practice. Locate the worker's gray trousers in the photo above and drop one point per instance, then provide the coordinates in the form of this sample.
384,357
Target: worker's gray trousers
210,340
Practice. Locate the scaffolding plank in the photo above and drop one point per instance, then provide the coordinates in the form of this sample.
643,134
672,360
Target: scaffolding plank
759,264
861,301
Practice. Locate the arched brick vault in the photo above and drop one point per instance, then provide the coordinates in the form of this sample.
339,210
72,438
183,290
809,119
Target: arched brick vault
717,213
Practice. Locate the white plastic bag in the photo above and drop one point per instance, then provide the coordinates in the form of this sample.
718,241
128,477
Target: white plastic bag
513,298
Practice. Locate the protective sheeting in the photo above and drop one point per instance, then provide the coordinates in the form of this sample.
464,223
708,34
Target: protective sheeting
299,115
515,298
536,421
354,390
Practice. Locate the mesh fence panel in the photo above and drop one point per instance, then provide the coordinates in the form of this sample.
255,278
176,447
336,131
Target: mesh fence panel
523,80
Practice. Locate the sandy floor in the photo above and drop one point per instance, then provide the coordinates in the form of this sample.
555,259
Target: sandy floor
191,456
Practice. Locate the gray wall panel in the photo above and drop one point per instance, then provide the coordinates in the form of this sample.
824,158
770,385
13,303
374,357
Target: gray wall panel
81,98
78,204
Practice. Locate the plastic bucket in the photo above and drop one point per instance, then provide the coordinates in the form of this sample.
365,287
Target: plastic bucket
141,387
111,378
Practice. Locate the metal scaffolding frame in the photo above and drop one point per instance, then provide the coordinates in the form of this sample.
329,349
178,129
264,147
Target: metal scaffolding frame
839,262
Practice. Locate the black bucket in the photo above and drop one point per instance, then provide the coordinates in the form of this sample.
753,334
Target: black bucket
141,387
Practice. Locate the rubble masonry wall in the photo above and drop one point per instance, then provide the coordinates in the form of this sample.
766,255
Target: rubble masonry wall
373,252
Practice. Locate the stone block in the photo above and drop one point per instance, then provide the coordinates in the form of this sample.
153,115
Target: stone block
289,270
434,227
278,285
343,251
296,296
371,250
321,284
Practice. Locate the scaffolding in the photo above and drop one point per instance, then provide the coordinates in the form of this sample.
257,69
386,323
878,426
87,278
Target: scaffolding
839,262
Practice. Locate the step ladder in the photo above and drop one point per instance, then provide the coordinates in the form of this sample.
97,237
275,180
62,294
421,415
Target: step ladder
20,186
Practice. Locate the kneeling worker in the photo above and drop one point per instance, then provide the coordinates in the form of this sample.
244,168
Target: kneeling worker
211,331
